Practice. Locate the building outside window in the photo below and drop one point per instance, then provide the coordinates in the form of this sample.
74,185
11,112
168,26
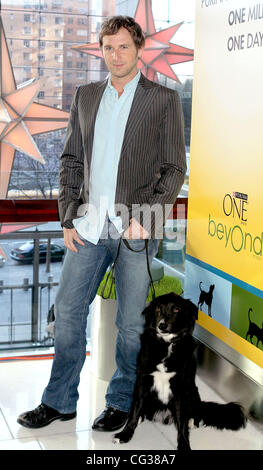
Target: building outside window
46,31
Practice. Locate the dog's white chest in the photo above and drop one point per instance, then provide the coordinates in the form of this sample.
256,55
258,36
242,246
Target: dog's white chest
161,383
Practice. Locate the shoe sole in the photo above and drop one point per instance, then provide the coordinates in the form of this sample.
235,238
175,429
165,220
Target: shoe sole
36,426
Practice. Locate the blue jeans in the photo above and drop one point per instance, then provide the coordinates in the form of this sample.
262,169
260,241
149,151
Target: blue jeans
81,275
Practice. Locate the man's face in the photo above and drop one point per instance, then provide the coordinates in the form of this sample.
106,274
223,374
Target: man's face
120,55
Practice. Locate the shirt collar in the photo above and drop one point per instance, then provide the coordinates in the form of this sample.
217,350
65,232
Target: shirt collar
131,84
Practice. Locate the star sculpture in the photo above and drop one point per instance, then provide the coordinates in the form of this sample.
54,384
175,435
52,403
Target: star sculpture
21,117
159,53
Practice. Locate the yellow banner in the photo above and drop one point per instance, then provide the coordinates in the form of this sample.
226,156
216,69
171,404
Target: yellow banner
224,272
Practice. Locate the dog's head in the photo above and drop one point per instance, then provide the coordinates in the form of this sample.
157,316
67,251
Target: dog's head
171,316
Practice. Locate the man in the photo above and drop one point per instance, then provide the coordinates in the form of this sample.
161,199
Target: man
124,152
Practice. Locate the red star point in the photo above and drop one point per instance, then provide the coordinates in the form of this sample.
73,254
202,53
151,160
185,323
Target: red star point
21,117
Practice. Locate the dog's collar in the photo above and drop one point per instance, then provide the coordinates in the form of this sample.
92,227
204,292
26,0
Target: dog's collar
175,336
167,337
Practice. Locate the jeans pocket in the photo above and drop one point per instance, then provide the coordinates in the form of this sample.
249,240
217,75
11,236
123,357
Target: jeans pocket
81,237
134,244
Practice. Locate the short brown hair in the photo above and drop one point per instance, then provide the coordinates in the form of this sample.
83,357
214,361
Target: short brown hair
111,26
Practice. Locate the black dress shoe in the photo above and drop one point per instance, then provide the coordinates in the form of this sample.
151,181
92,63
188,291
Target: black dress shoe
42,416
110,420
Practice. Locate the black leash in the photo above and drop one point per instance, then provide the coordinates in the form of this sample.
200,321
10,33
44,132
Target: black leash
111,272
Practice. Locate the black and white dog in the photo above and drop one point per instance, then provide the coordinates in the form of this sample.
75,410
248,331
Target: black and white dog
165,389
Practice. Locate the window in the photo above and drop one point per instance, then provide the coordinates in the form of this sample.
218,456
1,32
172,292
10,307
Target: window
80,65
59,20
82,21
59,33
57,3
57,83
59,58
82,32
27,43
27,30
27,56
40,35
81,75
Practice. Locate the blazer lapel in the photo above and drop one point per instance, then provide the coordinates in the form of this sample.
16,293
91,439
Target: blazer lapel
95,99
143,97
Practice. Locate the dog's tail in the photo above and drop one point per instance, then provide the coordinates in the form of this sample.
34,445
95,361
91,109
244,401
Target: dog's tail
223,416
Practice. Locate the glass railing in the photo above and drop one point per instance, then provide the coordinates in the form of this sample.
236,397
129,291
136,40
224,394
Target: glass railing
29,276
31,257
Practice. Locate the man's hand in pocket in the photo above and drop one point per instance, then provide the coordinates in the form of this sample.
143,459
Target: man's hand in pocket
71,236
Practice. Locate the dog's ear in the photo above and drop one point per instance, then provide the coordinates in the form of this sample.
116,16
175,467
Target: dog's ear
148,314
192,308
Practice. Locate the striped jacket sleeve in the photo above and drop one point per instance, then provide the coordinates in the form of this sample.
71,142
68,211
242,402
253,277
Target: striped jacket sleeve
71,173
172,168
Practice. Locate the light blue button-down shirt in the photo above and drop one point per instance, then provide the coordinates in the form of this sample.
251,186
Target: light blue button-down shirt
109,131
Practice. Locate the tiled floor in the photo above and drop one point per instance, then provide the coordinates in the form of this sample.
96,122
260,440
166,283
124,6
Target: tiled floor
22,383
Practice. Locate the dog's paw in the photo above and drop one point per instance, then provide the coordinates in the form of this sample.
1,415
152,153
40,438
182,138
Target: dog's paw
122,437
194,423
191,423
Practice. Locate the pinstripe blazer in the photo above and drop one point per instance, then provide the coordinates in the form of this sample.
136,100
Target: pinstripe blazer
152,163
